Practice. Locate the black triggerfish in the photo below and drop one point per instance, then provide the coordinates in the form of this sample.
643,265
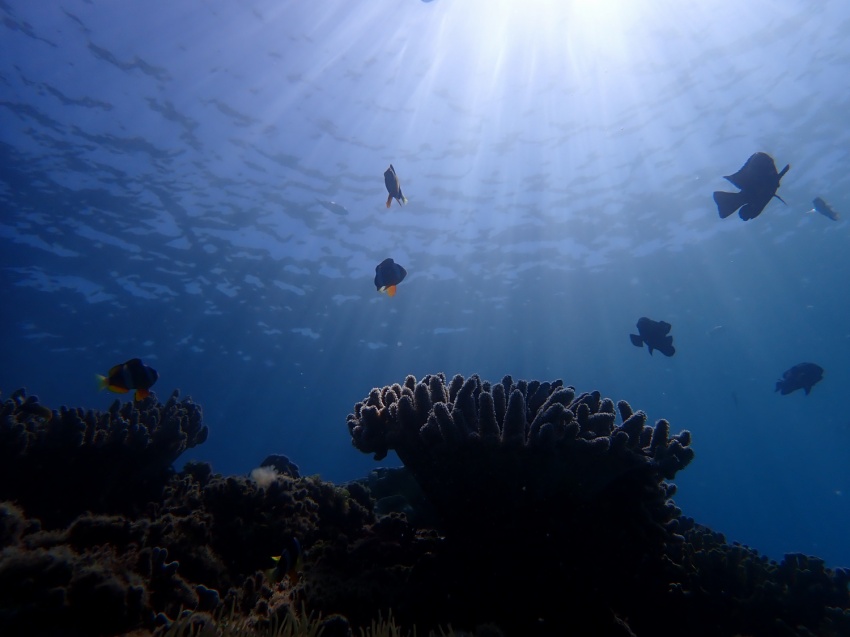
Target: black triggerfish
130,375
758,181
802,376
655,335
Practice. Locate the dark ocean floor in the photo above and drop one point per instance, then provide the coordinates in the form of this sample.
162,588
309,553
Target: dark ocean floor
523,509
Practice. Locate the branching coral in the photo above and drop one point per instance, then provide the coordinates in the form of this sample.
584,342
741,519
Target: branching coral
480,450
533,466
108,461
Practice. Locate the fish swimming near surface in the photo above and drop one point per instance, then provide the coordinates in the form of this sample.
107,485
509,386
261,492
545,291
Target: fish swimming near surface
393,187
824,208
758,181
332,206
288,563
388,274
802,376
655,335
128,376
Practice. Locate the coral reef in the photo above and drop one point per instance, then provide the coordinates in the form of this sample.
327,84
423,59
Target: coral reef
543,517
113,461
551,511
486,455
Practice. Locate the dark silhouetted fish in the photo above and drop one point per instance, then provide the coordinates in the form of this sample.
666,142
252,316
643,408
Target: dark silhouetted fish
288,563
655,335
802,376
758,181
824,208
393,187
130,375
332,206
388,274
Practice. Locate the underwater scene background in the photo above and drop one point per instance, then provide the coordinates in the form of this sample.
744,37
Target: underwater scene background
199,184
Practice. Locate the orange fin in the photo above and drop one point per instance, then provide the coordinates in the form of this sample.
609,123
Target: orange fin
142,394
389,201
117,389
390,290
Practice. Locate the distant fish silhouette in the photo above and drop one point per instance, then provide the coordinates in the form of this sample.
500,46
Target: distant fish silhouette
824,208
802,376
393,187
332,206
388,274
758,181
655,335
716,331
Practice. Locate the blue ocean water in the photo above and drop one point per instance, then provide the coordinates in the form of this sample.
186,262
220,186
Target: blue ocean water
172,174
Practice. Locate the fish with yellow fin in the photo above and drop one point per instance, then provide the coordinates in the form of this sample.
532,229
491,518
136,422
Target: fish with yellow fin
393,187
287,564
132,375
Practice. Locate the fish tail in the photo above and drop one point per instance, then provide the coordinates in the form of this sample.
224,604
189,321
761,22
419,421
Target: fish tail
102,381
403,200
728,202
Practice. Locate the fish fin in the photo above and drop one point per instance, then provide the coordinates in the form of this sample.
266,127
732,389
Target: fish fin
810,211
784,170
102,381
403,200
667,349
390,290
807,389
276,558
637,341
780,199
728,202
650,348
117,389
389,201
141,394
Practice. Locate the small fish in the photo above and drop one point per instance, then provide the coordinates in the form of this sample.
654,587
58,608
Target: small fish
802,376
824,208
393,187
332,206
388,274
655,335
288,563
758,181
130,375
716,331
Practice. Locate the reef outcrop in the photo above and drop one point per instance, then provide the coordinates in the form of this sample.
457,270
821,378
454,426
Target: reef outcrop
552,508
113,461
487,455
550,515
